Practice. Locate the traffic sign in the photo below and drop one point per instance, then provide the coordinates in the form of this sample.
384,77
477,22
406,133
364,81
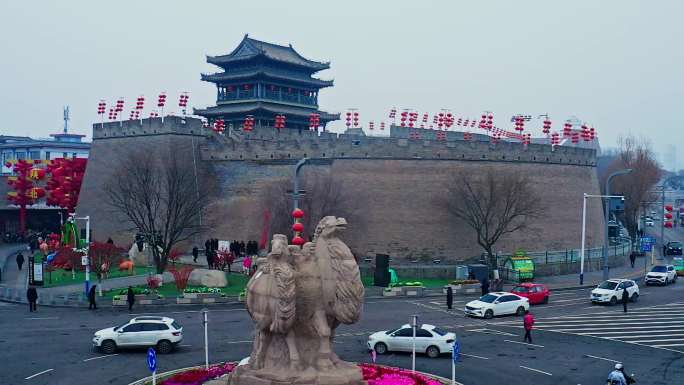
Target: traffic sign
646,247
647,240
152,360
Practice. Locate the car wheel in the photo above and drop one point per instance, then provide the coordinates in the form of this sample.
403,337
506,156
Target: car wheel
613,301
108,347
380,348
164,347
546,300
635,297
432,351
489,314
520,311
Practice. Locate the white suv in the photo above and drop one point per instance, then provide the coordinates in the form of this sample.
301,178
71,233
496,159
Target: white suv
611,290
661,274
161,332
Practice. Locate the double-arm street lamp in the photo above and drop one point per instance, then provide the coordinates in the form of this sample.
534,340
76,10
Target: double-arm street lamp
584,228
607,213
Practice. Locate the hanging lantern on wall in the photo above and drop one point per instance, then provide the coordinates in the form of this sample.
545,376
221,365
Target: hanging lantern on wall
547,126
348,119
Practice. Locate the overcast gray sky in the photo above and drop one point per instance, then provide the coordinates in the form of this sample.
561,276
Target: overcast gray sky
616,64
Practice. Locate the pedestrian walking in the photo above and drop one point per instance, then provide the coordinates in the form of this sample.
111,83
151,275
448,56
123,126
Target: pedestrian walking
110,241
32,297
450,298
528,323
247,265
130,298
195,254
91,298
485,286
632,259
625,299
20,260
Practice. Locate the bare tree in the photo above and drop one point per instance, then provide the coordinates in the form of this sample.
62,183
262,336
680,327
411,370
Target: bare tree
636,186
493,204
324,196
160,197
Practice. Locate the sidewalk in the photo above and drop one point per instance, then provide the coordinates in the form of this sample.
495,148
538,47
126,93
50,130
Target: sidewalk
593,278
13,283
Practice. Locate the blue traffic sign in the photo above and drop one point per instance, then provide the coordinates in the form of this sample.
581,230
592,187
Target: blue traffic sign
648,240
646,247
152,360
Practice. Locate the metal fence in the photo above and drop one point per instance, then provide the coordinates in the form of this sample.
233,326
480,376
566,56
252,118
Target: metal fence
623,247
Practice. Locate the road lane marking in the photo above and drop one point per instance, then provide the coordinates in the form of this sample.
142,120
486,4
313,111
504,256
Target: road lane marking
648,341
100,357
524,343
38,374
603,321
491,331
660,346
41,318
185,346
612,328
239,342
474,356
536,370
645,335
601,358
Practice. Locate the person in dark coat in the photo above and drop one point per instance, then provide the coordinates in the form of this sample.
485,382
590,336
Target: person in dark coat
91,298
20,259
485,286
450,297
195,253
110,241
632,259
625,299
130,298
32,297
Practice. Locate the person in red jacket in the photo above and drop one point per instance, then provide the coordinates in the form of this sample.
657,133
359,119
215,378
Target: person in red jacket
528,323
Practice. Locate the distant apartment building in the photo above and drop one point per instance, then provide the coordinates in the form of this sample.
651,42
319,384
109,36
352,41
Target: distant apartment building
62,145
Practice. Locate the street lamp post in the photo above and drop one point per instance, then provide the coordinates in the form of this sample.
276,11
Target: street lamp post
414,325
295,193
607,215
584,228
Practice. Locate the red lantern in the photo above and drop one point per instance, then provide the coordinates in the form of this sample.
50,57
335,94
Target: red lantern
298,240
668,225
668,207
668,215
299,227
297,213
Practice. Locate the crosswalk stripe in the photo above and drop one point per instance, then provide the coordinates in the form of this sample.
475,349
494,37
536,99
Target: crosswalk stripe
659,326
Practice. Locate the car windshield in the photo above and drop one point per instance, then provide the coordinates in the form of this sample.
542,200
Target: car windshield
610,285
120,326
176,325
439,331
675,244
659,269
489,298
520,289
391,331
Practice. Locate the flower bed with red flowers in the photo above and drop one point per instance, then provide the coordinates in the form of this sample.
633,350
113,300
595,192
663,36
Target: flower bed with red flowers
200,375
374,374
385,375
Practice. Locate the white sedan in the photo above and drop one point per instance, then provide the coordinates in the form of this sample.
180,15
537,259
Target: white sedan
497,303
431,340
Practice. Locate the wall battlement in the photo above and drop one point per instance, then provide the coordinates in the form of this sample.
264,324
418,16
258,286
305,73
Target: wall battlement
265,144
172,125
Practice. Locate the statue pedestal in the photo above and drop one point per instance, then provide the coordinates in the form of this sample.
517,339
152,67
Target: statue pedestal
244,376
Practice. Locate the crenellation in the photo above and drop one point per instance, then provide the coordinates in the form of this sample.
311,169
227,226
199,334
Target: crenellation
149,126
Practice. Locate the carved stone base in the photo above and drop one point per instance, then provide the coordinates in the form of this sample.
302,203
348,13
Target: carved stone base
341,376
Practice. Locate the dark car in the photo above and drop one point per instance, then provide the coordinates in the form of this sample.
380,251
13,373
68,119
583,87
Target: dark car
672,248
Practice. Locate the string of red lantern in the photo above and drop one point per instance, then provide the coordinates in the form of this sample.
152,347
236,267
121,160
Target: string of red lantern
161,102
298,227
547,126
356,118
575,137
382,126
348,119
314,121
280,122
404,116
219,126
567,129
248,125
370,125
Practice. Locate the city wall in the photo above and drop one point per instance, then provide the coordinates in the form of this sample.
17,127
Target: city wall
396,185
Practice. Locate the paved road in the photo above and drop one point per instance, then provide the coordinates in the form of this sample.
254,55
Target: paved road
52,346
